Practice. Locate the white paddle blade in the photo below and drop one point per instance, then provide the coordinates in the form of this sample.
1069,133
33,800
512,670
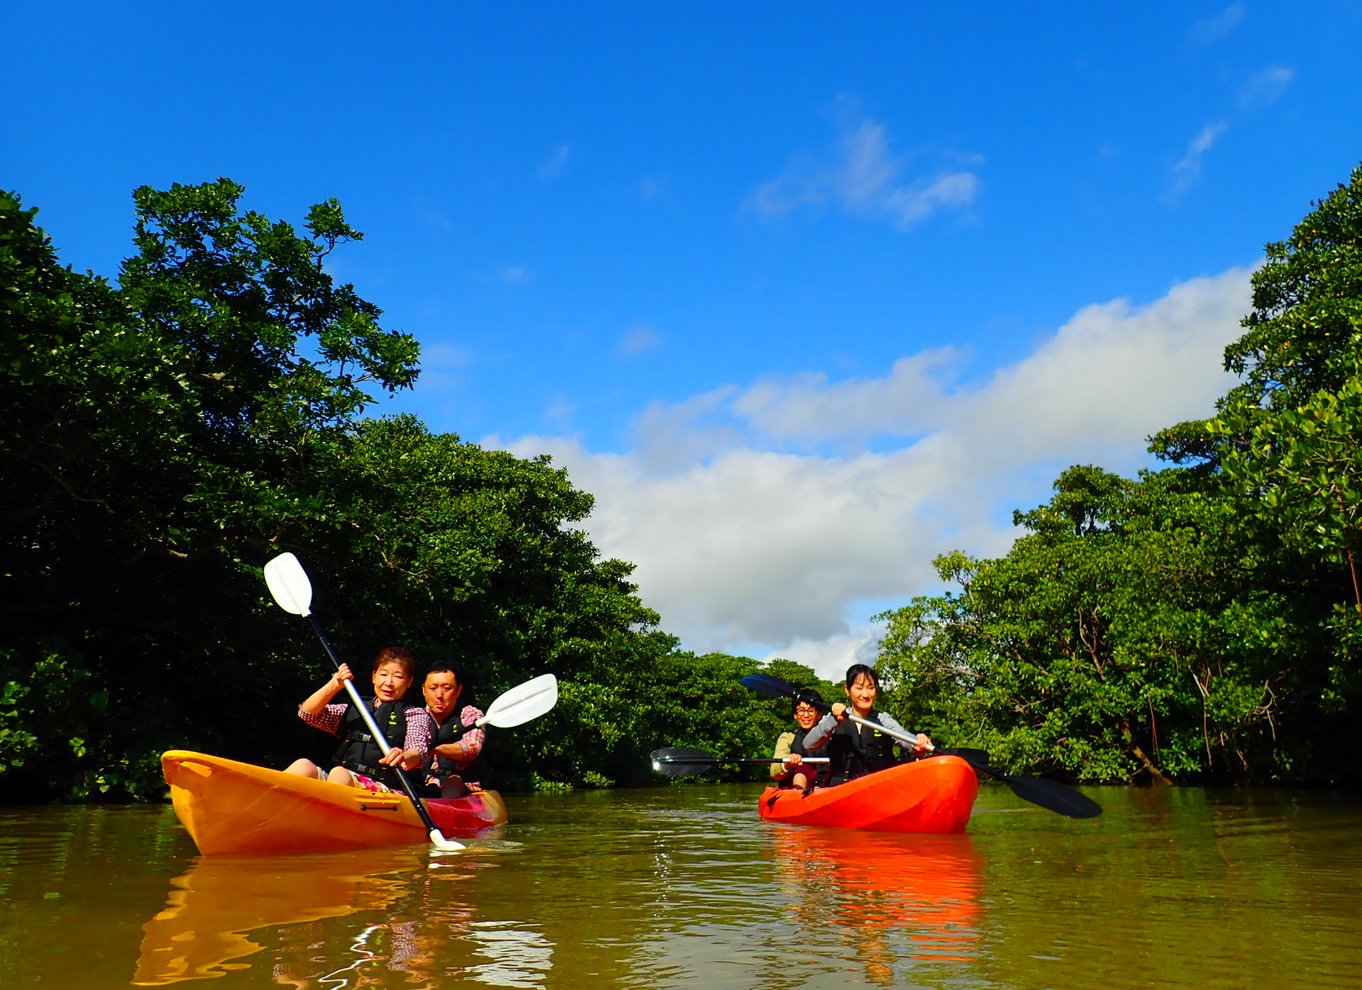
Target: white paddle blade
523,702
288,584
444,845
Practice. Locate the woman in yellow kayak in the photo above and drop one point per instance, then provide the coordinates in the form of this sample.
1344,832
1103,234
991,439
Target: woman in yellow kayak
359,760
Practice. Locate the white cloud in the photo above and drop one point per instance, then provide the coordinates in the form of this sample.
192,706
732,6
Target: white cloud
551,167
864,178
1266,87
905,402
1188,168
748,538
639,338
1222,25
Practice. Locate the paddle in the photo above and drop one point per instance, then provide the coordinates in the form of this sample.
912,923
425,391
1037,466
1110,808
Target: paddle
682,762
1048,794
290,587
522,702
774,687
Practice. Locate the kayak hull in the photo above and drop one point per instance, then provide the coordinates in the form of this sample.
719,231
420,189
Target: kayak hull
236,809
932,796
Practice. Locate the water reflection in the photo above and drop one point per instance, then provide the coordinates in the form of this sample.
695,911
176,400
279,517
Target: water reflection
894,900
392,917
214,908
679,888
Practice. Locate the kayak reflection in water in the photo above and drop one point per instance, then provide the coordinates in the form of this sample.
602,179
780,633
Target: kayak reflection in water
907,907
790,746
854,750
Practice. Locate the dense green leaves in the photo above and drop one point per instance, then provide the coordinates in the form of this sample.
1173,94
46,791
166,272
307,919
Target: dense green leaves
1203,621
163,438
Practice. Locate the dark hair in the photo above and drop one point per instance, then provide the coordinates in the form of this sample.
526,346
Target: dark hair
808,697
449,667
857,669
399,655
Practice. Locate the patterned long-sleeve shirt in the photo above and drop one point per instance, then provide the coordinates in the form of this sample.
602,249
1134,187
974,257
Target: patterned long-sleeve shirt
471,740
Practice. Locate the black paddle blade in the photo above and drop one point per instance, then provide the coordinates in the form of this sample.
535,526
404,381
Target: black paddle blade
1054,796
774,687
975,756
680,762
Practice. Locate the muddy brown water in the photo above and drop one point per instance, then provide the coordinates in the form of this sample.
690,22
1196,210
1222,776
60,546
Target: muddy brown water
685,887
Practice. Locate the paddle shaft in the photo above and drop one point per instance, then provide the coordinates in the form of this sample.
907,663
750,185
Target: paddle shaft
682,761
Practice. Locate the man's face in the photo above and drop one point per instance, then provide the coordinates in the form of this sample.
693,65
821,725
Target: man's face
441,691
806,715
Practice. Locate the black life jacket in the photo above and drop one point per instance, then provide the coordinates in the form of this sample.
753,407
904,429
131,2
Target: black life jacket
817,772
451,731
358,752
855,750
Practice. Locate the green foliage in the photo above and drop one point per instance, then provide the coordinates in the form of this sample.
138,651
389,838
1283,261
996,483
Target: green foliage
1291,432
16,742
1125,637
162,439
1201,622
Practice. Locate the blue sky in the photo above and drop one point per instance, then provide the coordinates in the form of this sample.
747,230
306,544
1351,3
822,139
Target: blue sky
804,296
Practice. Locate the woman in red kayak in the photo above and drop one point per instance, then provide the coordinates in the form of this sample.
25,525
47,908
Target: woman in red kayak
853,749
790,746
360,761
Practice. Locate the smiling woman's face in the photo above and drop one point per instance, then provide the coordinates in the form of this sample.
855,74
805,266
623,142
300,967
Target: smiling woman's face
391,681
862,694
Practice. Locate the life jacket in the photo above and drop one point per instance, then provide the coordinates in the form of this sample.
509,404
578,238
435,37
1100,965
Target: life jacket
855,750
358,752
452,730
816,772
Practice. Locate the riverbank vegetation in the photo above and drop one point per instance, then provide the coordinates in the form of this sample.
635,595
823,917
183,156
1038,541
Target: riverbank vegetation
1202,621
164,435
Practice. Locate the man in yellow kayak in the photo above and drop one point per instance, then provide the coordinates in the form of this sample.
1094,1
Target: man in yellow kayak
454,765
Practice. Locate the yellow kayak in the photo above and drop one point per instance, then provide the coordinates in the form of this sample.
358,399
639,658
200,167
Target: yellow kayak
236,809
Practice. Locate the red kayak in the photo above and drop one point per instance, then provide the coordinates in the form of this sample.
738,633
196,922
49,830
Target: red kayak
933,796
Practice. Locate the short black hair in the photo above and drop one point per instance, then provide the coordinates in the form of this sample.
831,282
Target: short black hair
447,667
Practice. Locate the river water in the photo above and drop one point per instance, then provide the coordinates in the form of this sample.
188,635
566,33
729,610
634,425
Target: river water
685,887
